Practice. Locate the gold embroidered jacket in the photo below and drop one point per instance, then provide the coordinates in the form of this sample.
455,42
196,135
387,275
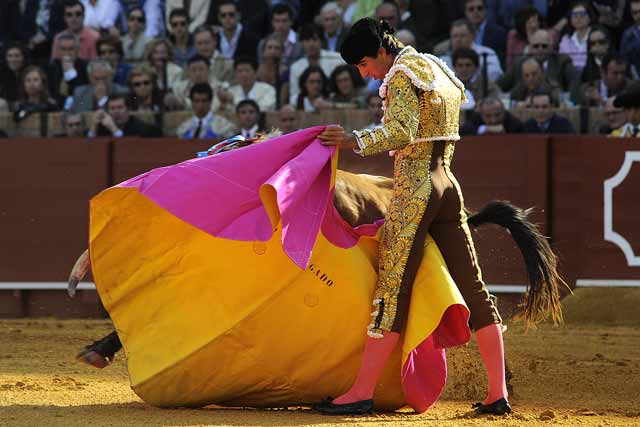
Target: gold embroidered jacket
421,103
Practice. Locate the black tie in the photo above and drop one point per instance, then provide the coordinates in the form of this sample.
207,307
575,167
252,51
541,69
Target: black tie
198,129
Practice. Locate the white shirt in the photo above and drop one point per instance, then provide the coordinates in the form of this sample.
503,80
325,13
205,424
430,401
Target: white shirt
494,69
228,47
263,93
101,15
249,133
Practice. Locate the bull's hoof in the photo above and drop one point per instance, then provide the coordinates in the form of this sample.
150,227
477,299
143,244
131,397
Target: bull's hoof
93,358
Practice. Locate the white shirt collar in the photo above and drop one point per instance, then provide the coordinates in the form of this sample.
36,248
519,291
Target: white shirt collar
249,133
205,119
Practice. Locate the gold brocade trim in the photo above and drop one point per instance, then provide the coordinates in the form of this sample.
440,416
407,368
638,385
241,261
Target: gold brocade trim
411,191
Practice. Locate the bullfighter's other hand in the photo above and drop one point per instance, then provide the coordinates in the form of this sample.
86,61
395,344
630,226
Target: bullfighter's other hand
335,135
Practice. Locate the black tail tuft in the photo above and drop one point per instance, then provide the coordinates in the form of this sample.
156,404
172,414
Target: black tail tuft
543,294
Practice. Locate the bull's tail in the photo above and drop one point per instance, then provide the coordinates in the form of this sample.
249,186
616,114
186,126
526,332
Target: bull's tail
543,291
80,269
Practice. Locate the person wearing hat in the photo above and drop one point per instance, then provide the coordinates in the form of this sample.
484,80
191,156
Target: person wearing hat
421,103
629,100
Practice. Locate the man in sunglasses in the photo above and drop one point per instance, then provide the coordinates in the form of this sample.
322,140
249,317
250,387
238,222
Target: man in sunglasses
235,40
74,24
487,33
558,68
135,41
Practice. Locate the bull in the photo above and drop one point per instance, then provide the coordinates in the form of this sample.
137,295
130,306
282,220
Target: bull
363,199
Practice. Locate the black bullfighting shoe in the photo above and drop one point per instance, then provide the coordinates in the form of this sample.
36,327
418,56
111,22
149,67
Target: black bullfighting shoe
361,407
499,407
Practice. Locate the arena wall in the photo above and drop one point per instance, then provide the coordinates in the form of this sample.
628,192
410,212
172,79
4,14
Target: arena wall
584,190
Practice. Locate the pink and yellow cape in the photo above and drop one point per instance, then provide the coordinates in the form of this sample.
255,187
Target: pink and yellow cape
232,280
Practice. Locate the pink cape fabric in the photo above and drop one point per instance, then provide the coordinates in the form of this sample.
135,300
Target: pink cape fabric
220,195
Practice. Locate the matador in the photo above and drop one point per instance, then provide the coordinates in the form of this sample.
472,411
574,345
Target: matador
421,103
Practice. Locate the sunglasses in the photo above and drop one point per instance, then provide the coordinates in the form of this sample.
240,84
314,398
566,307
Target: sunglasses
73,14
106,51
142,83
540,45
227,14
578,14
140,19
475,9
179,23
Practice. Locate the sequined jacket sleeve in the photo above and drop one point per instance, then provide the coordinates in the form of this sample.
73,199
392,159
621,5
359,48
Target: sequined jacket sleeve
401,119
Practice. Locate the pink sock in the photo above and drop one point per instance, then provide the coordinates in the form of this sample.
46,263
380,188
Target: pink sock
492,352
376,353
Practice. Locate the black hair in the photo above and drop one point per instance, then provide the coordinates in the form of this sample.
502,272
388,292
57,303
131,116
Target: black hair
521,17
544,92
201,88
198,58
280,8
251,102
139,9
116,97
226,2
465,53
245,60
303,80
179,12
614,57
112,41
73,3
309,31
587,7
365,38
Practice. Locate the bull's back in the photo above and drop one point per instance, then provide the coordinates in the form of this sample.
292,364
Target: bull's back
360,198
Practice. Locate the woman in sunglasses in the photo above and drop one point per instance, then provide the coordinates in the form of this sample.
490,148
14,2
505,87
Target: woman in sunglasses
135,40
144,94
180,37
575,42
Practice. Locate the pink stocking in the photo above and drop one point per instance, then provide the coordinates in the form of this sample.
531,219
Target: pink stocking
376,353
492,352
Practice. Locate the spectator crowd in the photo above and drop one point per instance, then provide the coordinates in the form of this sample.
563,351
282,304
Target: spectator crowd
230,61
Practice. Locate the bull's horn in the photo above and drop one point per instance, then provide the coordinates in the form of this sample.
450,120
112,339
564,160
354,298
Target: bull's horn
79,270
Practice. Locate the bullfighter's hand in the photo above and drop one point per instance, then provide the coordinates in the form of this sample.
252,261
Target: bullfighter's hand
335,135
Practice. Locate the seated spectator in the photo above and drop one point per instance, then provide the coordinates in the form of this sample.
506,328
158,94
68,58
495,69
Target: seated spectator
466,66
154,17
248,118
254,15
144,95
614,80
615,118
287,119
462,36
575,42
558,68
15,60
198,73
235,40
68,72
135,41
313,90
205,123
545,120
117,122
630,43
73,125
159,55
311,39
347,87
33,95
487,33
248,88
30,19
198,11
333,30
180,37
101,15
527,21
599,46
374,107
492,119
273,68
110,49
281,22
94,95
206,42
532,81
629,100
74,15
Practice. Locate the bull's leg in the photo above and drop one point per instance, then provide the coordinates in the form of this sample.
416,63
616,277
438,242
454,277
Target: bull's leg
102,352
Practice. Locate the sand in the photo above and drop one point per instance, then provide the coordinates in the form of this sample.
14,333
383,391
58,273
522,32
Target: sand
584,373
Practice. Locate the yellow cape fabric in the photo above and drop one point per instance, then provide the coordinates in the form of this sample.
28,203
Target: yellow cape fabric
205,320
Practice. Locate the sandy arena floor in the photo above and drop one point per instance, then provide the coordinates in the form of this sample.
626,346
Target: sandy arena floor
585,373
